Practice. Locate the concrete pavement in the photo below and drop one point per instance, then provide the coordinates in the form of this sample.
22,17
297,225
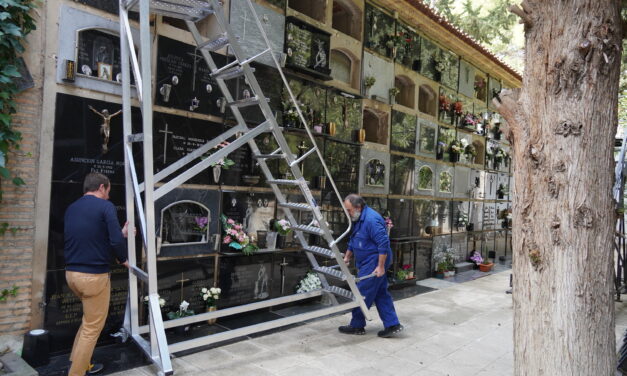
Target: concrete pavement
462,329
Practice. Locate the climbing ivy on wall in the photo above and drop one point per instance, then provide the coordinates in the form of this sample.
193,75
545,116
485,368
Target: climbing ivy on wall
15,24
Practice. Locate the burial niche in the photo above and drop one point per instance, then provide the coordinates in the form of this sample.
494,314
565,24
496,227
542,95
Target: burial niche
427,100
375,173
407,88
425,178
184,222
347,18
341,65
312,8
376,126
480,150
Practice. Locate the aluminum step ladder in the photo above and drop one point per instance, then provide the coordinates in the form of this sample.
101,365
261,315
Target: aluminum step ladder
144,195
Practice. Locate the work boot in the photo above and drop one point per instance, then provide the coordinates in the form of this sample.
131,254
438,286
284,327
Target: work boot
347,329
390,331
94,368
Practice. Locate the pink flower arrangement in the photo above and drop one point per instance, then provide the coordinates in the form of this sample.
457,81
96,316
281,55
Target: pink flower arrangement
235,236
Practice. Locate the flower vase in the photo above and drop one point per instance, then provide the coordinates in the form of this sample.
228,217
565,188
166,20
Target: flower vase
410,275
216,173
212,309
439,152
280,241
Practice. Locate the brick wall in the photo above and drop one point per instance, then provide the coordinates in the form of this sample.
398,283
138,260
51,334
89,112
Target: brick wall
18,209
18,205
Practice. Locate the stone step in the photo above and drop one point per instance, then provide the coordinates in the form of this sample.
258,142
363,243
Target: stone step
464,266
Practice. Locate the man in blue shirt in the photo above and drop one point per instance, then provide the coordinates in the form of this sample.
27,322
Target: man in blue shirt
371,245
91,232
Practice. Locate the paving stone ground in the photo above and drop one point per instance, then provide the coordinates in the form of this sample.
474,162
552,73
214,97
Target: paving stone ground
461,329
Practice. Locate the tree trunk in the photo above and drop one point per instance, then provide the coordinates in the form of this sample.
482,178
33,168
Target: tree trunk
562,125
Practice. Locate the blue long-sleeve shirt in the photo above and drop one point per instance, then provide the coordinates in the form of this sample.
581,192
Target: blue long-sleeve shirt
92,231
369,238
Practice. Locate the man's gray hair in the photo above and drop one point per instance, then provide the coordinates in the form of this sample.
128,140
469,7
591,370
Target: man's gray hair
356,200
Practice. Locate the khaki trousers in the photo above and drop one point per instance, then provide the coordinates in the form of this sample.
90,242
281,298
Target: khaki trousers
94,290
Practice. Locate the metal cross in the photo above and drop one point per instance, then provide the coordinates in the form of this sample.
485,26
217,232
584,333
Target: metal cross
165,141
196,57
182,280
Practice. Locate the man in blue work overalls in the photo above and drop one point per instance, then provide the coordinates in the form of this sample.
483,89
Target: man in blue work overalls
371,245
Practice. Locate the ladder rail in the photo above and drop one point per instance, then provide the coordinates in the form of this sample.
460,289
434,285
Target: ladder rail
268,114
302,119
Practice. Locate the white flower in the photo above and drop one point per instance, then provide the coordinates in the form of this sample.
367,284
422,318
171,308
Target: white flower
145,298
161,302
464,142
204,290
205,297
219,290
184,305
216,297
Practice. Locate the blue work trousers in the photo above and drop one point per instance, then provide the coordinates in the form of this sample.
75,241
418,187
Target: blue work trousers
374,290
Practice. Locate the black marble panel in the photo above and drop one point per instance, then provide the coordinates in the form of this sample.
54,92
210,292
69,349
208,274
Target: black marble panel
334,214
428,52
98,55
345,113
311,100
287,271
307,48
63,312
423,218
446,136
450,73
246,279
379,31
407,47
299,144
402,175
401,214
442,220
243,167
343,163
61,196
424,255
109,6
79,138
403,132
271,85
183,72
177,136
176,227
378,203
180,280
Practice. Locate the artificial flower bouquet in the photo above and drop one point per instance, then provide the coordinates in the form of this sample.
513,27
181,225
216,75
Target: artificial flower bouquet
310,282
210,295
235,236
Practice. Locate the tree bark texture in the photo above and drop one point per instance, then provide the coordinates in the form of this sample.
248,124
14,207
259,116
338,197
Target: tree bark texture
562,125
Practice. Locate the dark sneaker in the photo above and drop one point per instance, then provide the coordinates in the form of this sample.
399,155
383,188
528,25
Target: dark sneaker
390,331
94,368
347,329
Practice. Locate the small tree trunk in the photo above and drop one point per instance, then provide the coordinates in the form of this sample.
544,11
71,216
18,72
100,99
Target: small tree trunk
562,128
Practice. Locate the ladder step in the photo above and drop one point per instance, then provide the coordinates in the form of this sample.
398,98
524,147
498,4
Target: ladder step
214,44
296,206
340,292
231,73
191,10
137,137
283,182
246,102
309,229
330,272
269,156
320,251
